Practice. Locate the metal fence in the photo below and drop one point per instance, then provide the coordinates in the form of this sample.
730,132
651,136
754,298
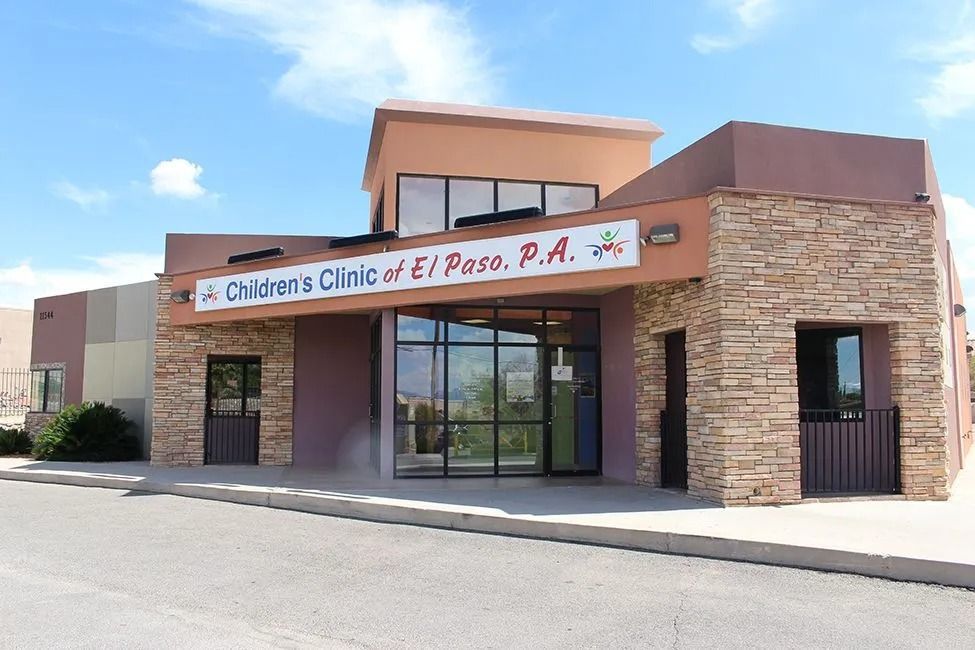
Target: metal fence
14,391
846,451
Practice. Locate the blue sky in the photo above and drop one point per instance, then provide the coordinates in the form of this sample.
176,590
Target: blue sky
124,120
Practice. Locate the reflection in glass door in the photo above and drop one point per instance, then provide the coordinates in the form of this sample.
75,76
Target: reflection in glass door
573,410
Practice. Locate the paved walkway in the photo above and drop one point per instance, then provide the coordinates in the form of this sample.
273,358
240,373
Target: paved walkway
924,541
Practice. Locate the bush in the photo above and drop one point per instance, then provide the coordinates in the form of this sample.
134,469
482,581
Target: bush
14,441
92,431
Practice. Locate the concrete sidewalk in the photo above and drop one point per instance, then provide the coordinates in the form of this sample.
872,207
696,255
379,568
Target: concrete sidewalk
892,538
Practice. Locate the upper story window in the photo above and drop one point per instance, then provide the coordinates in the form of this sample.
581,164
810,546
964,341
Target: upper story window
378,215
433,203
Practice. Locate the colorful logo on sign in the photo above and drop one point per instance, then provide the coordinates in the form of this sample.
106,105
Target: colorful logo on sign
210,295
608,245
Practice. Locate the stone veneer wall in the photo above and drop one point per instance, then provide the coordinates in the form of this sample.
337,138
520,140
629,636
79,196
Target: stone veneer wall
35,421
774,261
180,383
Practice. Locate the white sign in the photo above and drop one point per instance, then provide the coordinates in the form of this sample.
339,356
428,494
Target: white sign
519,387
595,247
561,373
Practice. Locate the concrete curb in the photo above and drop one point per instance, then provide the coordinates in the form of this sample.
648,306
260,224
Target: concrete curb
952,574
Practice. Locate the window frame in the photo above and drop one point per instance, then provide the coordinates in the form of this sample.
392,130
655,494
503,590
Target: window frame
447,178
444,421
834,333
379,214
244,362
45,401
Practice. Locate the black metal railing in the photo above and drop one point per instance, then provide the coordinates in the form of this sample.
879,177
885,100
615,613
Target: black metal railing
845,451
14,391
673,449
231,437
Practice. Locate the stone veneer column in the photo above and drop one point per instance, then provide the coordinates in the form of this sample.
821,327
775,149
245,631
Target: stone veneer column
775,261
179,390
916,386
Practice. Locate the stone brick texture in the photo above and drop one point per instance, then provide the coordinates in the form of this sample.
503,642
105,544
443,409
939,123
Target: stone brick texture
180,374
34,422
775,261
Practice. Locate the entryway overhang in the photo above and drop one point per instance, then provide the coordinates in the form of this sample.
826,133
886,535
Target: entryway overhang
683,259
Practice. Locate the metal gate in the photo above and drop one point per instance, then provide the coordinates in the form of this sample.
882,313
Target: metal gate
233,413
848,451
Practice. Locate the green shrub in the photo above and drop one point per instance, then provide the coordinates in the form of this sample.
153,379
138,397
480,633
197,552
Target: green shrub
92,431
14,441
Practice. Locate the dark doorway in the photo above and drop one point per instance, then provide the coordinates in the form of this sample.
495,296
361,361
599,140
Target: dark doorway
233,411
673,420
375,388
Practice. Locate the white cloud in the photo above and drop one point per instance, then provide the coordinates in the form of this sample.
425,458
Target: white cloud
22,283
177,177
350,56
961,233
951,89
86,199
749,18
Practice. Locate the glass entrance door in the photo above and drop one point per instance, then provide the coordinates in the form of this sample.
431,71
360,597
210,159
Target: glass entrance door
573,410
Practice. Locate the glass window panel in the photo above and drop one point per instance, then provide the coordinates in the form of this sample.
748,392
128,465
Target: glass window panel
226,386
419,449
470,325
419,382
37,391
828,365
419,324
520,449
55,381
470,197
568,198
849,386
253,403
565,327
520,326
471,449
422,202
470,376
519,383
519,195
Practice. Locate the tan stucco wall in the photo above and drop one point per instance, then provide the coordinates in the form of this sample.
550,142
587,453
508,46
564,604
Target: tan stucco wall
448,150
15,335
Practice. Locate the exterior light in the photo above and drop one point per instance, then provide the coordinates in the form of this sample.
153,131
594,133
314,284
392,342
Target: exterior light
665,234
475,321
960,310
922,197
181,296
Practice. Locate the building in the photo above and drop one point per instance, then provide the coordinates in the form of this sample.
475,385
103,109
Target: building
15,328
95,346
770,313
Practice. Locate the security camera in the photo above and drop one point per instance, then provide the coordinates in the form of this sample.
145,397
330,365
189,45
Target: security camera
922,197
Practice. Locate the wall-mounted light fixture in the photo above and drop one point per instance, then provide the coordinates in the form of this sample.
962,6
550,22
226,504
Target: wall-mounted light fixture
668,233
960,310
182,296
922,197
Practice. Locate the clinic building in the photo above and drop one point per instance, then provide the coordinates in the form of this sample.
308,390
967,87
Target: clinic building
770,313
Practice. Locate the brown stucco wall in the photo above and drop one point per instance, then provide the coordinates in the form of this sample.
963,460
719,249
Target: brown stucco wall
179,383
61,339
775,261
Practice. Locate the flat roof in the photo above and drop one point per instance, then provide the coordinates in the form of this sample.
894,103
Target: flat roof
495,117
